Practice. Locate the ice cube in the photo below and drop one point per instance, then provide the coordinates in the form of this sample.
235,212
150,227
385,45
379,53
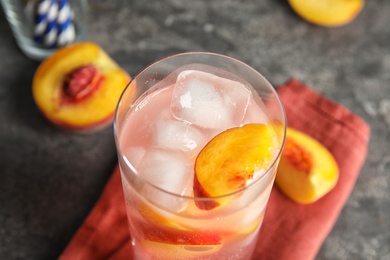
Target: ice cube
256,113
134,155
208,100
197,102
170,172
165,114
177,135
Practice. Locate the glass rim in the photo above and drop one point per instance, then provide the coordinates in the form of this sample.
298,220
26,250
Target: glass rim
134,170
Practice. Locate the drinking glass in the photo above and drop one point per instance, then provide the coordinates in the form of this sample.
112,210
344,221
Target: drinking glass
168,225
21,18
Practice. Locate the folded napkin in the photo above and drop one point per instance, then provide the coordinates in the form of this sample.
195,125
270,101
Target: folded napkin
290,230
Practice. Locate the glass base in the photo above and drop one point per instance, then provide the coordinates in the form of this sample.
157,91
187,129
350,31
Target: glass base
20,19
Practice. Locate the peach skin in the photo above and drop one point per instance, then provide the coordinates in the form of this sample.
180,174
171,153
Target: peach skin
329,13
307,170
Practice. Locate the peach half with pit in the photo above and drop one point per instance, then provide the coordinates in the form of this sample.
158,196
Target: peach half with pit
229,160
329,13
307,170
78,87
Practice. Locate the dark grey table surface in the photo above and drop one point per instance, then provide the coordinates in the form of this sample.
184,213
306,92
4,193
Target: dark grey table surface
50,179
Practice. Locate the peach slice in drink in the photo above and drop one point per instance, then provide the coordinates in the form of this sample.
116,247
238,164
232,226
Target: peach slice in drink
164,234
161,229
172,251
229,160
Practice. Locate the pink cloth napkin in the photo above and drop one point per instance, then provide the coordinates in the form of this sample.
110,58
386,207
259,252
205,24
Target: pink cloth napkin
290,230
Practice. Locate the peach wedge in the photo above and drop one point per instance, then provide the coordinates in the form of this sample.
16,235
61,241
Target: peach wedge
78,87
307,170
229,160
329,13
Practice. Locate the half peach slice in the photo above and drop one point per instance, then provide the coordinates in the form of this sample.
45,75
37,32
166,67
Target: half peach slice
307,170
78,87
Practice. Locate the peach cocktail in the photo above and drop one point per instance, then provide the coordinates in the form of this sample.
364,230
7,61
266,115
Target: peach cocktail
199,136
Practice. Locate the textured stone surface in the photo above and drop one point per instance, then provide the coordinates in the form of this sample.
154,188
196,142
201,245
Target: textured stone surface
50,179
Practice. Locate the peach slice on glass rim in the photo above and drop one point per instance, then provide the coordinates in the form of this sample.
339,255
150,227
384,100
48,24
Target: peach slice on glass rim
307,170
78,87
229,160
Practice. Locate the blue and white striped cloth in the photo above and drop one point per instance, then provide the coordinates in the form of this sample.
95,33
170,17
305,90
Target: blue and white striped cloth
54,25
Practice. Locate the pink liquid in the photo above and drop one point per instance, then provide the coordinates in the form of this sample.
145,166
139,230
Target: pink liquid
166,226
